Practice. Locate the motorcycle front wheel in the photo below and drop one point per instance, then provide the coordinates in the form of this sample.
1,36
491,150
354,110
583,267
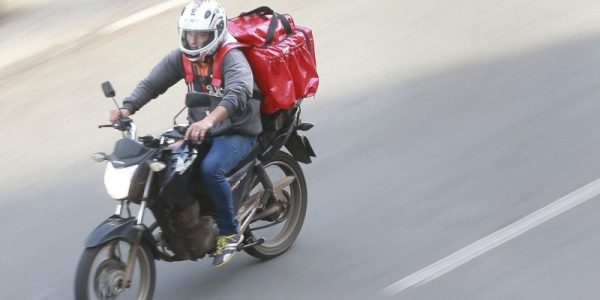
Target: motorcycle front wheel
280,231
101,273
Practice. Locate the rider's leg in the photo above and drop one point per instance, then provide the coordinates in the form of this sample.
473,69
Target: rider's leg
225,153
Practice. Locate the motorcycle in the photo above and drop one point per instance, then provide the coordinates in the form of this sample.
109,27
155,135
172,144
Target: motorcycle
160,175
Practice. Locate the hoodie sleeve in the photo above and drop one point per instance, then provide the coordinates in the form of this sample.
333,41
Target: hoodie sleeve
238,82
164,75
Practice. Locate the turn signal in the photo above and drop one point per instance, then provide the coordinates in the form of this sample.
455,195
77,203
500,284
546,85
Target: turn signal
99,157
157,166
305,126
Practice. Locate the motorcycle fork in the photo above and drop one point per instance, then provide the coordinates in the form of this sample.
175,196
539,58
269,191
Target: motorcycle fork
135,248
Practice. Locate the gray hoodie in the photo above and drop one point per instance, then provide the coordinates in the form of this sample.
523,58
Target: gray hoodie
244,111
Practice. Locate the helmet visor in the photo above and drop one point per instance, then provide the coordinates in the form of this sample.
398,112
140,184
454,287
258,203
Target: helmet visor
197,39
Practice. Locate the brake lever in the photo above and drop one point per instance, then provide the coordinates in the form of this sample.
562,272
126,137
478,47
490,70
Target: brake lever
181,129
175,134
178,132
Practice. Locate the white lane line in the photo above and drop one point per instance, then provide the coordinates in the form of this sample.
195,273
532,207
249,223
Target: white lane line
75,39
142,15
496,239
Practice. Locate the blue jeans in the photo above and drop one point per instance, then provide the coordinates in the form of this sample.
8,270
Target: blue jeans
225,153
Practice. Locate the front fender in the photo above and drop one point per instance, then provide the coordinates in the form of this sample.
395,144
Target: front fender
118,227
112,228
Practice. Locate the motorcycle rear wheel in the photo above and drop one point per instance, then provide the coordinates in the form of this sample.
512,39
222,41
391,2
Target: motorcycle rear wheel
279,166
101,272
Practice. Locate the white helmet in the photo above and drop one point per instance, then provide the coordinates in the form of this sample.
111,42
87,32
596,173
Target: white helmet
204,18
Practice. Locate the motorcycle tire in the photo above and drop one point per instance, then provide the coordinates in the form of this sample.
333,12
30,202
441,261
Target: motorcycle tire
295,212
104,280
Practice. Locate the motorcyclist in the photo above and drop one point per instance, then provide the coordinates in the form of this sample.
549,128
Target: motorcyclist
234,123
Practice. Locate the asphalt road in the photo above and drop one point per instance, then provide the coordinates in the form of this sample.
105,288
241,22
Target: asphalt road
437,124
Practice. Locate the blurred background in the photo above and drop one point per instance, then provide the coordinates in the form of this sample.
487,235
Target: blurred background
437,124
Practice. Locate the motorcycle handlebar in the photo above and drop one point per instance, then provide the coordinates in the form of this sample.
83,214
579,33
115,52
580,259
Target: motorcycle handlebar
178,132
121,124
181,129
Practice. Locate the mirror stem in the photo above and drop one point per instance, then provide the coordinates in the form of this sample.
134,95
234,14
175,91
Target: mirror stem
177,115
118,108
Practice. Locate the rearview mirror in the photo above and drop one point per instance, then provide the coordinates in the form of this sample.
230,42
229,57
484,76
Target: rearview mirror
201,100
108,90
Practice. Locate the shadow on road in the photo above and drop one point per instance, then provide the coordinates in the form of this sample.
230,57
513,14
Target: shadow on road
424,166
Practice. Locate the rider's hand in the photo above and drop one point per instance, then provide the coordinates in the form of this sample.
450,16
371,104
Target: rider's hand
115,114
197,131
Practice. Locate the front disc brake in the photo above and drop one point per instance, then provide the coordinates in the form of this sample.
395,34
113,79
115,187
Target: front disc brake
109,280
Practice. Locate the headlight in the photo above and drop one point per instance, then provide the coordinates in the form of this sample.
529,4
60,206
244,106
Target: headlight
117,181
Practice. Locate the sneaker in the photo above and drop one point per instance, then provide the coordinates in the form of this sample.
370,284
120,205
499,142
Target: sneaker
226,248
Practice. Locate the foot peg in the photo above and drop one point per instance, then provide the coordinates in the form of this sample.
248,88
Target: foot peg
251,243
